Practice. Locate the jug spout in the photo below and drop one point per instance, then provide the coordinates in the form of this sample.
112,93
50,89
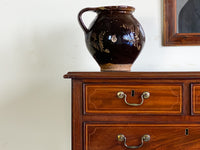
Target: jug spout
117,8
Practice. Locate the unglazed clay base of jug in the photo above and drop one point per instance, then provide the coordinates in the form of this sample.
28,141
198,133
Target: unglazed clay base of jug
116,67
115,38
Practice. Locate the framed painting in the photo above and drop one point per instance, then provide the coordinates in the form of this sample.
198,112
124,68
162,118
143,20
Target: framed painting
181,25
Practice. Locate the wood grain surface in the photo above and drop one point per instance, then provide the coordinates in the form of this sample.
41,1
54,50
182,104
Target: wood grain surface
164,98
98,115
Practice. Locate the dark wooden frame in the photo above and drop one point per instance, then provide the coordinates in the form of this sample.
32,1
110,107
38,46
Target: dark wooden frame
171,36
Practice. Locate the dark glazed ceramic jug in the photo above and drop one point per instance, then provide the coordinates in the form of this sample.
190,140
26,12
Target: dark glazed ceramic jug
115,38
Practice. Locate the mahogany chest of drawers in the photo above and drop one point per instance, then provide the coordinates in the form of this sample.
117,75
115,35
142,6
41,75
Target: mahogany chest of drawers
135,110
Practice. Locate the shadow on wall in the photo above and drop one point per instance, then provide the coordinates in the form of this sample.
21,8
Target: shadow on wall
47,51
35,96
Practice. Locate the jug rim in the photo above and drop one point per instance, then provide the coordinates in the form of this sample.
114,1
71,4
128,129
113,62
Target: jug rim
117,8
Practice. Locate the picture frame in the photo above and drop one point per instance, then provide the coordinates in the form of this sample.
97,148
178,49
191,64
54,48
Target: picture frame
171,35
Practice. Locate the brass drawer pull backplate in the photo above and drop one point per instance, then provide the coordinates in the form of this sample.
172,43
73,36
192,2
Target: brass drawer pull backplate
144,95
122,138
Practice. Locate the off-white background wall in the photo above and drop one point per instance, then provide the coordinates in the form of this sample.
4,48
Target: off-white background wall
40,41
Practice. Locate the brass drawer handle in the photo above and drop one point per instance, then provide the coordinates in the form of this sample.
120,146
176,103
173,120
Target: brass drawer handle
144,95
122,138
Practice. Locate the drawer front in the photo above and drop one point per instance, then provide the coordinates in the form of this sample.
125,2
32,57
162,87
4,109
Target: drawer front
104,98
196,99
145,136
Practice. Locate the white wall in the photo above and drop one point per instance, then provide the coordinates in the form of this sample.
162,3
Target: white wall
40,41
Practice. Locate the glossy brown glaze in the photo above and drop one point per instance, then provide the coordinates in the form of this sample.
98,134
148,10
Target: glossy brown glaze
97,118
115,37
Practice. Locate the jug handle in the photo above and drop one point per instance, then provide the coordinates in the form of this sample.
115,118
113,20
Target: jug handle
80,18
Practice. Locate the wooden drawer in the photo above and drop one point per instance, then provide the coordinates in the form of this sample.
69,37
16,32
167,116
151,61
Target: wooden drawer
102,98
195,99
162,136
